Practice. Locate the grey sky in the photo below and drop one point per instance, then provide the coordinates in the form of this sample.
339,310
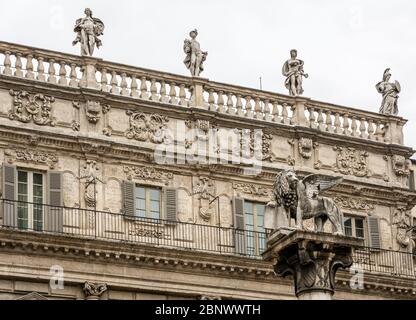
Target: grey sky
346,45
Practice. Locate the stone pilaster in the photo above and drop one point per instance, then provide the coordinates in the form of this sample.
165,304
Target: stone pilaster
312,259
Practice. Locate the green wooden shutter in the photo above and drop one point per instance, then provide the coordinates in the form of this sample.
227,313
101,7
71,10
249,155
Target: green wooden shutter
171,204
128,198
374,232
9,193
54,212
239,226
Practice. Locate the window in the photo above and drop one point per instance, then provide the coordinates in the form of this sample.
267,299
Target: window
354,227
412,186
254,226
148,201
30,194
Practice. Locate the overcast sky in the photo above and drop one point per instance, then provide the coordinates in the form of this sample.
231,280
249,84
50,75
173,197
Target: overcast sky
346,45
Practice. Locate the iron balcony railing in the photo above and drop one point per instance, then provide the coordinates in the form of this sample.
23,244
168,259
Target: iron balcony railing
94,224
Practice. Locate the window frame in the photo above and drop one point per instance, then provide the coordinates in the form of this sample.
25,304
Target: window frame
257,247
30,203
147,199
354,226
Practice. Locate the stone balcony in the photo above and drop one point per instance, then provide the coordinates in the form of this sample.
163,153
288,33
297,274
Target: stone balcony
40,66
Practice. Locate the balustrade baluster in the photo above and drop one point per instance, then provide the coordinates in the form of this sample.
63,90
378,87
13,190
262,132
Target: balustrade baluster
7,64
346,125
371,130
104,80
312,119
230,104
211,100
267,115
153,90
62,75
18,66
328,122
114,83
123,85
249,107
257,109
182,95
173,94
143,89
239,105
41,70
285,114
52,72
134,87
337,123
275,111
321,120
354,126
29,67
73,76
163,97
379,132
363,133
220,102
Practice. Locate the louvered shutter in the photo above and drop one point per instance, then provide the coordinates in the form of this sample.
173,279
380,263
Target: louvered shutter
239,226
54,212
374,232
171,204
9,196
128,198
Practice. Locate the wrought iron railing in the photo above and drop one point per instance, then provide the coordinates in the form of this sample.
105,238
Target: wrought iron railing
94,224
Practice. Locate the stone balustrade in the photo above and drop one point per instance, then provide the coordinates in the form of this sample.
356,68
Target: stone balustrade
84,72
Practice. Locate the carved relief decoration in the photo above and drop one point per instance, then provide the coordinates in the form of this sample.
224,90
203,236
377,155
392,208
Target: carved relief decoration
147,173
32,156
36,108
202,128
93,291
93,110
253,189
403,221
147,127
306,146
353,204
401,165
250,145
205,189
90,174
352,162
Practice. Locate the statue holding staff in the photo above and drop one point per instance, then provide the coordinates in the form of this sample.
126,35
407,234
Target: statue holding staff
293,71
390,92
195,57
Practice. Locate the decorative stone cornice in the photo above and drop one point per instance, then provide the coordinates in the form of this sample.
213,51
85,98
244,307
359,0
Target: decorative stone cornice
147,173
253,189
354,204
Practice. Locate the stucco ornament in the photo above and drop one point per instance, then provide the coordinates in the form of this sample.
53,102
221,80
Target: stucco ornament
88,30
403,221
93,291
205,189
294,73
401,165
351,161
390,92
195,57
306,147
93,110
36,108
300,200
147,127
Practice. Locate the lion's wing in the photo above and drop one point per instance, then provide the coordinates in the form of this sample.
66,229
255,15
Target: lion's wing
317,183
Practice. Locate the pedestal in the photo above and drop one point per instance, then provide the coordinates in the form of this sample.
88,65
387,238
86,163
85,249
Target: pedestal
312,258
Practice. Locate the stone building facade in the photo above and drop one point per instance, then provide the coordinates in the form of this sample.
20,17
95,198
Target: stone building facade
102,183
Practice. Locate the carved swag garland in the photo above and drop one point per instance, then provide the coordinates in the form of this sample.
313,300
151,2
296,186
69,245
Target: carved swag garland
35,108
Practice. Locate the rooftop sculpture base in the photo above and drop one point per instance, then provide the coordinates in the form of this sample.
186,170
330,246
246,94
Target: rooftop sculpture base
312,258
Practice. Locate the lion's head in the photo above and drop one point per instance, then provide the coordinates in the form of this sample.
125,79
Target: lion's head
285,188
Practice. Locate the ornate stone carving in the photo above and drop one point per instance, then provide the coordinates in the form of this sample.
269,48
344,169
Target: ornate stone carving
195,57
205,189
36,108
139,231
403,221
94,109
90,174
88,30
147,127
306,146
293,71
253,189
202,128
354,204
390,92
75,125
352,162
93,291
250,142
147,173
108,131
32,156
300,200
401,165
